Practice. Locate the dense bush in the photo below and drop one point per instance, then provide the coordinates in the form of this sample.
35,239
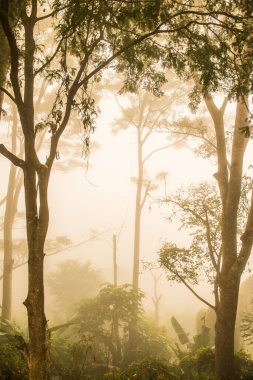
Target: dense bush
151,369
244,365
200,365
13,364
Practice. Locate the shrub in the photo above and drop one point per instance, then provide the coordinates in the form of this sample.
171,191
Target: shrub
13,364
151,369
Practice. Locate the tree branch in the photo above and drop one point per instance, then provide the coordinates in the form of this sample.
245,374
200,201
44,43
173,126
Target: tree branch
209,242
51,14
222,175
247,242
59,251
161,148
50,59
8,94
186,209
145,195
2,201
181,279
14,159
14,54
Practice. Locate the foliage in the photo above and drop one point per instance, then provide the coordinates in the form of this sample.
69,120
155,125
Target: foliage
244,365
182,336
198,208
74,355
198,365
110,317
152,341
151,369
100,334
247,327
13,353
198,342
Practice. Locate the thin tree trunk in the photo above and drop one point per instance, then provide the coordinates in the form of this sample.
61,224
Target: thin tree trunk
156,298
8,248
36,232
10,210
137,223
115,268
4,63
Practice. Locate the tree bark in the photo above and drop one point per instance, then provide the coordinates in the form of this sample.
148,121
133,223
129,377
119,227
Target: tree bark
138,209
225,329
4,63
10,210
36,233
231,269
8,248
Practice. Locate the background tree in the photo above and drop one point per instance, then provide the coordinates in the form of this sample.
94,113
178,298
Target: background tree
97,316
147,114
69,284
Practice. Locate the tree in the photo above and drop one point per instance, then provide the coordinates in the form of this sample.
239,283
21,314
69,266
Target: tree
70,283
88,33
122,305
230,70
156,296
86,48
146,113
11,202
207,211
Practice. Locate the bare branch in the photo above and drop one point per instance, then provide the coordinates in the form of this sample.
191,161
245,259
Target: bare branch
14,159
209,241
162,148
145,194
2,201
48,61
181,279
8,94
51,14
60,250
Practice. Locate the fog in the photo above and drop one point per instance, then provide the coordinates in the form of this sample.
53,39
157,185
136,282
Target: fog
97,198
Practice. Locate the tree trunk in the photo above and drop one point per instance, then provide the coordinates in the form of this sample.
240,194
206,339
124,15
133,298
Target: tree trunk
232,262
8,248
117,354
137,223
36,232
10,210
4,64
115,268
225,330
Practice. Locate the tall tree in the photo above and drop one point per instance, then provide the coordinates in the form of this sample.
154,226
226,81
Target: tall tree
15,181
13,191
146,114
222,222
